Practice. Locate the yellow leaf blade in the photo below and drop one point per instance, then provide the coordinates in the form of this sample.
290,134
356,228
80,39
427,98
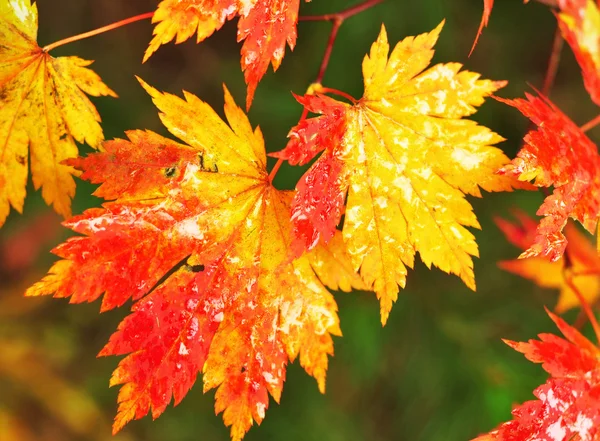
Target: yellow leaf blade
43,108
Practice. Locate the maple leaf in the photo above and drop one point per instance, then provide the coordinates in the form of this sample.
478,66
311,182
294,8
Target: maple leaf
405,158
264,25
43,106
557,154
568,404
583,266
579,22
198,231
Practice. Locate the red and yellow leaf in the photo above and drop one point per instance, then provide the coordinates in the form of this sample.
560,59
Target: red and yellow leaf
265,26
560,155
43,111
405,158
568,404
197,232
579,22
584,263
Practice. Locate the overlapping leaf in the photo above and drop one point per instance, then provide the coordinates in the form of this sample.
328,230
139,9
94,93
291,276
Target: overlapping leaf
43,107
560,155
405,159
583,263
265,26
198,231
568,404
579,23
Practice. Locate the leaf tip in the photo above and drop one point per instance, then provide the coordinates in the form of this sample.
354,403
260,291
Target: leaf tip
151,90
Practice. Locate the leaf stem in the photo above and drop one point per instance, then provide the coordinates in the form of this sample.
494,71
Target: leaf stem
339,93
590,124
553,62
337,19
101,30
584,304
275,169
329,49
551,3
342,15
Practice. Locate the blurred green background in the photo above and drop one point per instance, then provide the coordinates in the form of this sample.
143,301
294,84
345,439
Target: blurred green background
437,371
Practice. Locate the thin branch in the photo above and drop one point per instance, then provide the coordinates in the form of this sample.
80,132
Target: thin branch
553,62
339,93
101,30
328,49
275,169
346,13
590,124
551,3
584,304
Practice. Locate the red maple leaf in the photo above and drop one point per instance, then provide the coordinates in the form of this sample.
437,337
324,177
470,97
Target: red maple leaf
568,404
264,25
557,154
199,235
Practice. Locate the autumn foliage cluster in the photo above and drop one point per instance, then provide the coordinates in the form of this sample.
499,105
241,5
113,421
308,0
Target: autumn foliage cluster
231,277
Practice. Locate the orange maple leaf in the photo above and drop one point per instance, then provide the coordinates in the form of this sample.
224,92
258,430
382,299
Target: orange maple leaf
557,154
43,106
579,22
200,232
583,266
568,404
405,158
264,25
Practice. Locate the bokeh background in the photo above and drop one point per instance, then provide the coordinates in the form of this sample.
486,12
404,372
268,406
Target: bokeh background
437,371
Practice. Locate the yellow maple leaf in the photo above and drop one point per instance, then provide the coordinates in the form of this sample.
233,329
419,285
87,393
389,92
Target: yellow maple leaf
43,106
205,218
405,157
